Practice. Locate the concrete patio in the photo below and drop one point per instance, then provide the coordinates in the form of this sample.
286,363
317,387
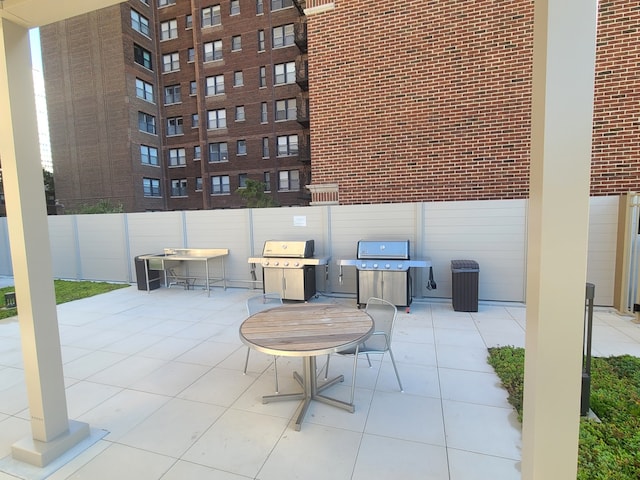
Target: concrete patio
158,377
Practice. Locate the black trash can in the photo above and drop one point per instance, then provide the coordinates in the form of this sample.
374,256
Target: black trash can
464,285
154,275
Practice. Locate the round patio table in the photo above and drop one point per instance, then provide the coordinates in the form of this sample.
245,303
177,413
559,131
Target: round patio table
307,330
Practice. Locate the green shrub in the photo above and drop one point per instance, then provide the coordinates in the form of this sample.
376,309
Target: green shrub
610,448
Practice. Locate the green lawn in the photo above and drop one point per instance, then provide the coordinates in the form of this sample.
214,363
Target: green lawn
609,449
66,291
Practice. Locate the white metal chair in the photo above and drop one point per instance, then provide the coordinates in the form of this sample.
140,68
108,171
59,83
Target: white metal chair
257,304
384,315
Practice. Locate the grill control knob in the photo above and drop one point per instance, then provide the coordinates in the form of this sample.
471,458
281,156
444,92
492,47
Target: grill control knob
375,265
364,265
276,263
387,266
297,264
400,266
265,263
285,264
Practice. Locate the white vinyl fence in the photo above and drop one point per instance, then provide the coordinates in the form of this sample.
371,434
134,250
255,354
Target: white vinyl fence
494,233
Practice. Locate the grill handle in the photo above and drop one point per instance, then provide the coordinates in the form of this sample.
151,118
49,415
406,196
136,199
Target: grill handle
340,276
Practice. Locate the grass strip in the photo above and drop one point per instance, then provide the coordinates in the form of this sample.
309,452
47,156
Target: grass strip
66,291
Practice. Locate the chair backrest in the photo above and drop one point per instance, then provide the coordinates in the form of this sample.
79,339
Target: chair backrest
263,302
384,315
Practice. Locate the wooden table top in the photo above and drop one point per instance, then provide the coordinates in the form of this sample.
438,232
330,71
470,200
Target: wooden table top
306,329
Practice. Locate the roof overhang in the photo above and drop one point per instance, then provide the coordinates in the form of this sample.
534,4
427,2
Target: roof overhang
35,13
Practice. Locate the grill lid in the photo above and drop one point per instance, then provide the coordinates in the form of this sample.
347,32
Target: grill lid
383,249
288,249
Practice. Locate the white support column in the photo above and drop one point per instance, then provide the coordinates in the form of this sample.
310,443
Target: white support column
52,431
562,112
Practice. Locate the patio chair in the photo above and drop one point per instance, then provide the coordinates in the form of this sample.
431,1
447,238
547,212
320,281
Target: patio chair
257,304
384,315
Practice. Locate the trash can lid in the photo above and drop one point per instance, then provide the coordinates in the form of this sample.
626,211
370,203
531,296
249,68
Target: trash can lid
465,265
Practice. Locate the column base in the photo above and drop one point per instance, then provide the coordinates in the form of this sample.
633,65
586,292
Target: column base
38,453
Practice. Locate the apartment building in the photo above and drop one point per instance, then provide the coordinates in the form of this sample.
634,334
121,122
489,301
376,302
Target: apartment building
175,104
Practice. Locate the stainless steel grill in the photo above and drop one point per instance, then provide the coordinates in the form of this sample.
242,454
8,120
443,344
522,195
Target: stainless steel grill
384,271
289,268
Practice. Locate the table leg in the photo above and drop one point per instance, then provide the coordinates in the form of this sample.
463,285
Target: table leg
310,391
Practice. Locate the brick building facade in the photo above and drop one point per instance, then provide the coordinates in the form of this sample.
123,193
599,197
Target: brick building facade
174,104
431,100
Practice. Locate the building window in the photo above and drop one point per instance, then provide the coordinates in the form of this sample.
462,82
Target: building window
242,180
240,113
261,40
149,155
164,3
289,180
177,157
146,2
191,54
286,109
265,147
171,62
193,88
198,184
188,21
212,51
263,113
211,16
220,185
218,152
146,123
238,79
174,126
172,94
144,90
151,187
241,147
234,7
284,73
287,145
195,120
282,36
142,56
236,43
215,85
140,23
197,153
179,187
280,4
216,119
259,7
266,179
169,29
263,77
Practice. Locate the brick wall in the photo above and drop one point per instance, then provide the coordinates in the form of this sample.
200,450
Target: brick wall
430,100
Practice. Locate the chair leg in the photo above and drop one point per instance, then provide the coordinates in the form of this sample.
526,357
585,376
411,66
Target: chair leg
326,368
246,362
353,380
393,362
275,367
369,360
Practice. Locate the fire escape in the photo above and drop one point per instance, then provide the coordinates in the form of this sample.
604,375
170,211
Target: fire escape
302,102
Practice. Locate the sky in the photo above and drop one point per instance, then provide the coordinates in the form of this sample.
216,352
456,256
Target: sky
41,103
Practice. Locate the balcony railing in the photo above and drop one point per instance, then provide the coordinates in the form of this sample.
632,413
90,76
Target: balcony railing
301,36
302,73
